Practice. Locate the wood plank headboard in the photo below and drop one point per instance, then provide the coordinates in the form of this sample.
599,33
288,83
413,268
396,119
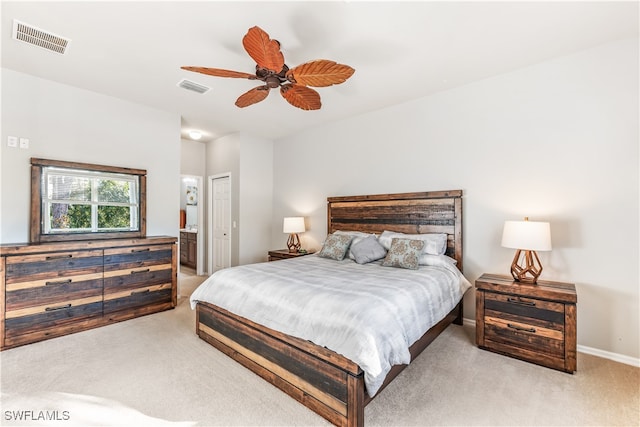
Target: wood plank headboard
411,213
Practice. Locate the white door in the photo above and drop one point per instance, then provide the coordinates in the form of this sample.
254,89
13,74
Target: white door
221,221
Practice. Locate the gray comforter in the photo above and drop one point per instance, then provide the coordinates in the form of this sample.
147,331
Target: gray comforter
368,313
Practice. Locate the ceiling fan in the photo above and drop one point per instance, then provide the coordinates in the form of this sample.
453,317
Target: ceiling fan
271,69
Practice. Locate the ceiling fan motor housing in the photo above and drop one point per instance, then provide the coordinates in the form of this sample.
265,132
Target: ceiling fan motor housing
272,79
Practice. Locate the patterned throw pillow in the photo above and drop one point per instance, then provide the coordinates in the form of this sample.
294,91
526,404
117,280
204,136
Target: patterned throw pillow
336,246
404,253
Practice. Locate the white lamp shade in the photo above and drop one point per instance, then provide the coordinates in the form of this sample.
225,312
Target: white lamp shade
527,235
293,224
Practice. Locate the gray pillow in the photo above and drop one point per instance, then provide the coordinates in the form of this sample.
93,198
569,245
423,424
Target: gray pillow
336,246
404,253
367,250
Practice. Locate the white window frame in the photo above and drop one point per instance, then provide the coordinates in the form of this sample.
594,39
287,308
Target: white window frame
94,177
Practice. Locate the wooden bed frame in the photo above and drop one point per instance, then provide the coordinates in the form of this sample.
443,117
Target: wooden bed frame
324,381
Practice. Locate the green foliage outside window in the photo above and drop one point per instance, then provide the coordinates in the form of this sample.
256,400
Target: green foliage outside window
113,203
113,217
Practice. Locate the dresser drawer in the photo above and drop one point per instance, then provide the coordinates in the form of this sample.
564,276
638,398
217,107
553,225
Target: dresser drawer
52,266
142,276
52,315
137,287
139,297
46,292
126,258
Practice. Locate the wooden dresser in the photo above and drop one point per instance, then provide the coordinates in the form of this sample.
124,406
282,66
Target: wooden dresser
532,322
53,289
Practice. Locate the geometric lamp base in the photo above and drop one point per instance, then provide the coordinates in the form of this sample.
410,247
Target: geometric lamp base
526,268
293,243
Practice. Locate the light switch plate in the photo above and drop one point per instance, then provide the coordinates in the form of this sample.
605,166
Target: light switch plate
24,143
12,141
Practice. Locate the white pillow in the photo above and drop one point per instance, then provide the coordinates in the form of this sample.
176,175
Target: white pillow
436,260
434,243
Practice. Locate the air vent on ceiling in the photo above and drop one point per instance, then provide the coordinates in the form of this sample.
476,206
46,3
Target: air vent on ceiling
38,37
196,87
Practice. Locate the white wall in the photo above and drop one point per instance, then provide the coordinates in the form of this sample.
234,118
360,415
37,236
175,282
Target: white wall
66,123
192,158
557,141
256,199
249,160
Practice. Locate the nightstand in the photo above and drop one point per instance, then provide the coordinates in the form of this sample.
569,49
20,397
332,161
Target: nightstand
532,322
285,254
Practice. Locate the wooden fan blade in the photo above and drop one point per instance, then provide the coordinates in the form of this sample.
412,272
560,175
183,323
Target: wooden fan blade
263,50
218,72
301,96
319,73
253,96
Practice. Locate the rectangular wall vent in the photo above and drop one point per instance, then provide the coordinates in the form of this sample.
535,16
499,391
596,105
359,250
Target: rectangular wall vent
196,87
38,37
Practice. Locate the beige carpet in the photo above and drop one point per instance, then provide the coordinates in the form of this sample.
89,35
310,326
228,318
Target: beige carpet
155,371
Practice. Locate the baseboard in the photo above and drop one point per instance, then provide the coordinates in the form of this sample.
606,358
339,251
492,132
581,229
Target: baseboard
627,360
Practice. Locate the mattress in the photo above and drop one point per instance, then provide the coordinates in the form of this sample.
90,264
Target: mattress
368,313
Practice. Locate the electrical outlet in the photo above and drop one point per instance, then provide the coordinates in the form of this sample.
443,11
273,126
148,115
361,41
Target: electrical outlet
12,141
24,143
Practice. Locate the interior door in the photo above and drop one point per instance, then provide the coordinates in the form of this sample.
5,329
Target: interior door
221,209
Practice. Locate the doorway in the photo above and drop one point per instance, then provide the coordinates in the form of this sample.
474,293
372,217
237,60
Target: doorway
192,223
219,230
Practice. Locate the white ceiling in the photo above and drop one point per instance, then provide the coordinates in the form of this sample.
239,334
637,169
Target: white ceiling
400,50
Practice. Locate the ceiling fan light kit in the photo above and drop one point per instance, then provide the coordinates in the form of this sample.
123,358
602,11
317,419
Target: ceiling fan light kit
270,68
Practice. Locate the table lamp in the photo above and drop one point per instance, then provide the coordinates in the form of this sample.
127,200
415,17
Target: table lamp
526,237
293,226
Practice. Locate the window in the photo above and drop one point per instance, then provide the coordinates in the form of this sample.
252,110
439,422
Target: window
82,201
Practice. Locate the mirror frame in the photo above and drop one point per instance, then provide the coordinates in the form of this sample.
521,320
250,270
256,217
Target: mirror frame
36,234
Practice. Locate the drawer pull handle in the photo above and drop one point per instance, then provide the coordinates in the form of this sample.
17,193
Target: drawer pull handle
146,291
140,250
520,328
59,282
521,301
50,257
62,307
146,270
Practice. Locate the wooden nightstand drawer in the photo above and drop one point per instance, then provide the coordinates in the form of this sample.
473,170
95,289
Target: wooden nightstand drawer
524,334
533,322
528,323
546,311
